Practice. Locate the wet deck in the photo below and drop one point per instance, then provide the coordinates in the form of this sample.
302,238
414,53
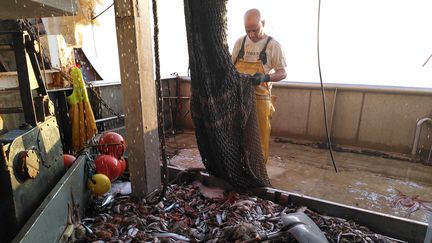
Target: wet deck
364,181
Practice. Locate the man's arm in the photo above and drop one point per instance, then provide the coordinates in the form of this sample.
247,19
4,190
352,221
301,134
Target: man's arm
235,51
278,75
258,78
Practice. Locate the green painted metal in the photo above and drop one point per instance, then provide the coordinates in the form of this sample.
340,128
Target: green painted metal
21,195
49,221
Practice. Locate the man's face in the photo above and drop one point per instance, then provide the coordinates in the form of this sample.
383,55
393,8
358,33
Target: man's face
254,29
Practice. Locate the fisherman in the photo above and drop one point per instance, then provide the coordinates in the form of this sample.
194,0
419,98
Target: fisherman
261,56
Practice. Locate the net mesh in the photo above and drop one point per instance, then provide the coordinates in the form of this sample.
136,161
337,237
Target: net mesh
222,101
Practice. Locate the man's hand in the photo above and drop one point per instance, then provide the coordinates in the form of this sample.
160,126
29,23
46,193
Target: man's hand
258,78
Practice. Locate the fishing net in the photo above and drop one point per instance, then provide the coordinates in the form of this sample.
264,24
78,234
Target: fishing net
222,101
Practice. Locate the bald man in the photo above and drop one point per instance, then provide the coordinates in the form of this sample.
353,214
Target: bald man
262,57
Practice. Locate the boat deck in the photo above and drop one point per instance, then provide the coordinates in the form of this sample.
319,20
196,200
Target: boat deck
385,185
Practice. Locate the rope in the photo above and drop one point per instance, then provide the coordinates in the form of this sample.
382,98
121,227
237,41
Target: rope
322,90
95,17
160,106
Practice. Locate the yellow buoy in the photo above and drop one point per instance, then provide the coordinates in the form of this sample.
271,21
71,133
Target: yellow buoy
99,184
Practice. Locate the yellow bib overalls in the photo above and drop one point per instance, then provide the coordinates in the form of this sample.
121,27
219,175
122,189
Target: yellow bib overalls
264,104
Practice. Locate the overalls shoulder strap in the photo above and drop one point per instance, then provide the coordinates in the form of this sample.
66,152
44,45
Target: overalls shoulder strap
241,53
263,55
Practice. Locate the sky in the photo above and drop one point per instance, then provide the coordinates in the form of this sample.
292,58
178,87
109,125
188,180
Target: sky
372,42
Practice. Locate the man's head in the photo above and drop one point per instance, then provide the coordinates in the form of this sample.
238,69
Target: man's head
254,26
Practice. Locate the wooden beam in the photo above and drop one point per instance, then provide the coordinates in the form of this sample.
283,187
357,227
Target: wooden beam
134,40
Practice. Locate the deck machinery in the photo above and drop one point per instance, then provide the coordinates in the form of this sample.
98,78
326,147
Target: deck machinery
31,155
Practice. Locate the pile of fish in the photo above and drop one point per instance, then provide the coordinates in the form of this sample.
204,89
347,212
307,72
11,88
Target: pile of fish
188,215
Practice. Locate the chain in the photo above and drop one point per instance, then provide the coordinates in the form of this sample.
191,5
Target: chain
96,95
102,101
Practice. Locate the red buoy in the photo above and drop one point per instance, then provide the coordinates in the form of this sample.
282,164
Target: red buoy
68,160
112,143
122,162
108,165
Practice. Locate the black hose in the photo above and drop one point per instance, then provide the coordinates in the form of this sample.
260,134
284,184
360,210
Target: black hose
322,90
